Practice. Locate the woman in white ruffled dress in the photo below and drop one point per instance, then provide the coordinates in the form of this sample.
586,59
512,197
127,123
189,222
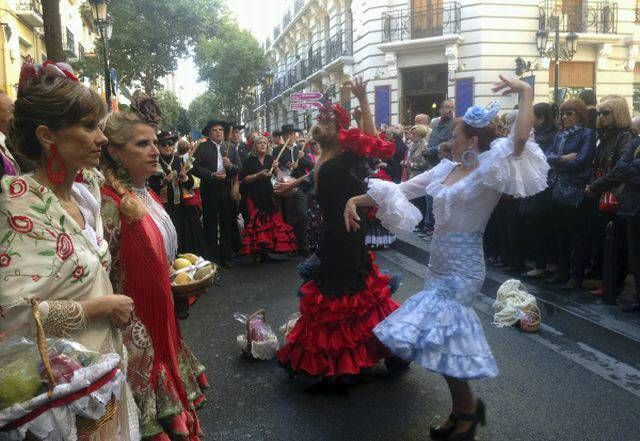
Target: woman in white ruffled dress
438,328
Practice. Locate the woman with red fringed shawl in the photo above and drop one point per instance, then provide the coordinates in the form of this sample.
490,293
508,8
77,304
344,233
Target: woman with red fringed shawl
347,296
166,379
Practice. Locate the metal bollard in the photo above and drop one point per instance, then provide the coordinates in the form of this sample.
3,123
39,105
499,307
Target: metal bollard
609,284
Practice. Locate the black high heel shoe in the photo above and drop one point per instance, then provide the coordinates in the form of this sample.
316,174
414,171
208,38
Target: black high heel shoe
440,431
477,418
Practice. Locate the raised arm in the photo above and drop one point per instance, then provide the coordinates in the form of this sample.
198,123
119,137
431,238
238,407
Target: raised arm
524,120
359,90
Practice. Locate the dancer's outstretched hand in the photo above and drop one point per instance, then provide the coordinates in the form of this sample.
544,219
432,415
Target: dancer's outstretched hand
359,88
351,218
508,87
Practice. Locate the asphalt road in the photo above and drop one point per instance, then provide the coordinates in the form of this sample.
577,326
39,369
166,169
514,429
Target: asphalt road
550,387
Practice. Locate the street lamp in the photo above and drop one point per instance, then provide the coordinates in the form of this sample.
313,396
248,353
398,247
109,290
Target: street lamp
565,53
104,23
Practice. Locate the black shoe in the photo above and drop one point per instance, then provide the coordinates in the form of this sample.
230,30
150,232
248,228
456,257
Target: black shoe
396,365
477,418
442,431
572,284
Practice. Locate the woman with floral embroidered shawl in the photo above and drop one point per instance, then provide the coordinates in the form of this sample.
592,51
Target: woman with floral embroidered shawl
166,378
51,236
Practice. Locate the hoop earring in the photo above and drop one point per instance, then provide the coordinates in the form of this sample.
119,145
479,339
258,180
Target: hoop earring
469,158
56,177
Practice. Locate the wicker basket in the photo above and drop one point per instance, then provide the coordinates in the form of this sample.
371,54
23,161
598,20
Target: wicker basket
531,320
84,426
197,287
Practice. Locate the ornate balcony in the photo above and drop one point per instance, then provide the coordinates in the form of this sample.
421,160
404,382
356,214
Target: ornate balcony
582,17
69,44
30,11
336,48
298,5
413,23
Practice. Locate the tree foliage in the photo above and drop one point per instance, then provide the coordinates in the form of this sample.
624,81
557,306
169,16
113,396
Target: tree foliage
203,108
232,61
149,36
170,108
183,125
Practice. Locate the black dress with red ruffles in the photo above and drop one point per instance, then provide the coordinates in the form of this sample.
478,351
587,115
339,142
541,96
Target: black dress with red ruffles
265,231
347,295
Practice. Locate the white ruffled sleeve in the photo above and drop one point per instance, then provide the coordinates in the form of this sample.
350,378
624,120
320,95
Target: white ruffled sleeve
395,212
518,176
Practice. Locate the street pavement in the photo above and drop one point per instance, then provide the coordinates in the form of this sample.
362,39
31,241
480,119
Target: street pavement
568,382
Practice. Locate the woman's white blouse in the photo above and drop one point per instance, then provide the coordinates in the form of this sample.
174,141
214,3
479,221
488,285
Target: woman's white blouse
465,206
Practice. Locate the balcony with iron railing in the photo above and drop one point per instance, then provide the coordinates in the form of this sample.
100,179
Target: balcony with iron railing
444,18
69,45
589,17
30,11
298,5
337,47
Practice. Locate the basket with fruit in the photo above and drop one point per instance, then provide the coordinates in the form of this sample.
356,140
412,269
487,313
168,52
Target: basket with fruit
56,388
191,276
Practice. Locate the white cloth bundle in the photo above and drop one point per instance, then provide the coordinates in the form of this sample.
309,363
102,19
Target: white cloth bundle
511,302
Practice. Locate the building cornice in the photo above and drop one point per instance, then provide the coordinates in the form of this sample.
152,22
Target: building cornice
419,44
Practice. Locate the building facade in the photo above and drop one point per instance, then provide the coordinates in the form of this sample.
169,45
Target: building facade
22,35
415,53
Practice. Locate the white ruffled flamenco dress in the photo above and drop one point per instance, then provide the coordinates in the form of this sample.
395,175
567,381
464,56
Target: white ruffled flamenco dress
437,327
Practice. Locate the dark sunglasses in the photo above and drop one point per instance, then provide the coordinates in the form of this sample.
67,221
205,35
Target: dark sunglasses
604,112
567,113
166,143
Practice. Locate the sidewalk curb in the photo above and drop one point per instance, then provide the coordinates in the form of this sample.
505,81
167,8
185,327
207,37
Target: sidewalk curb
594,323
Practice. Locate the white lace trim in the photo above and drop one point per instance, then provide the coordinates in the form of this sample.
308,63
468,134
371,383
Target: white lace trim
395,212
59,424
162,221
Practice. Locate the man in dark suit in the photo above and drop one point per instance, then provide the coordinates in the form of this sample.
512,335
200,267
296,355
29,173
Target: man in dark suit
295,163
215,163
238,145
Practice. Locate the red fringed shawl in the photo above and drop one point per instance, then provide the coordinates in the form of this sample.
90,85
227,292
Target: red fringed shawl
144,265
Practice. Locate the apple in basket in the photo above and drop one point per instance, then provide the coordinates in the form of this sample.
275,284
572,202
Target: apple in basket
63,367
19,380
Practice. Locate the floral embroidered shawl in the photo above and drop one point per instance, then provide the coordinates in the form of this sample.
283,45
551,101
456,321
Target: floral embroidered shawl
44,254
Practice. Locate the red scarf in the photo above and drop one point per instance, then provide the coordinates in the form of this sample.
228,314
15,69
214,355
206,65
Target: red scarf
144,265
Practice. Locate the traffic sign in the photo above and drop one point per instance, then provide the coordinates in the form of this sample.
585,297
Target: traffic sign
305,96
304,106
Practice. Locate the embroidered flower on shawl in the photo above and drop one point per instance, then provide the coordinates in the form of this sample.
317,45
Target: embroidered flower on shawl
21,224
5,260
64,246
78,272
17,188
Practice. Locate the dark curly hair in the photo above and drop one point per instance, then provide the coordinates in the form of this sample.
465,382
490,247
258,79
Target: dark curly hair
486,135
50,101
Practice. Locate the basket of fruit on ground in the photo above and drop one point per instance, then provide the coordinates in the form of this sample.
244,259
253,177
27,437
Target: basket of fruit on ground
191,275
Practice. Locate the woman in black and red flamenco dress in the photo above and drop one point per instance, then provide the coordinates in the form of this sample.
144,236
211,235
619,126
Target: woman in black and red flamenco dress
265,232
347,296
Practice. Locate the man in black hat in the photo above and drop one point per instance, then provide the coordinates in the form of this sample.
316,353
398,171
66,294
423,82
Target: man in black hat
215,163
238,145
295,163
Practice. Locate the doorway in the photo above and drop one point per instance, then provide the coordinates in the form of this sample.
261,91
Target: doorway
423,89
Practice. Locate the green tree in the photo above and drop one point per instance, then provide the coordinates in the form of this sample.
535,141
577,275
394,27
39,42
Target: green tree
149,36
232,62
183,125
203,108
170,107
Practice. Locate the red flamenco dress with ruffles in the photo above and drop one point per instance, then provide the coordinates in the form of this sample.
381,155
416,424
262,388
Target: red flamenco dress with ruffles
166,379
265,231
347,295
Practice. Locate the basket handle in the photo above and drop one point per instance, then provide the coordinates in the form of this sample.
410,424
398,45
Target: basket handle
42,346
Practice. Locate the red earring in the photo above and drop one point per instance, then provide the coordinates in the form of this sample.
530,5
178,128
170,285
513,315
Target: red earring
56,177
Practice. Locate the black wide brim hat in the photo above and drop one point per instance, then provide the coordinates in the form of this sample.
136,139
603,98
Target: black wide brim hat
288,128
276,133
167,136
238,126
214,122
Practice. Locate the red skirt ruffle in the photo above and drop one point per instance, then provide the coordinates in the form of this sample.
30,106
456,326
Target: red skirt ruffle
266,232
334,335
